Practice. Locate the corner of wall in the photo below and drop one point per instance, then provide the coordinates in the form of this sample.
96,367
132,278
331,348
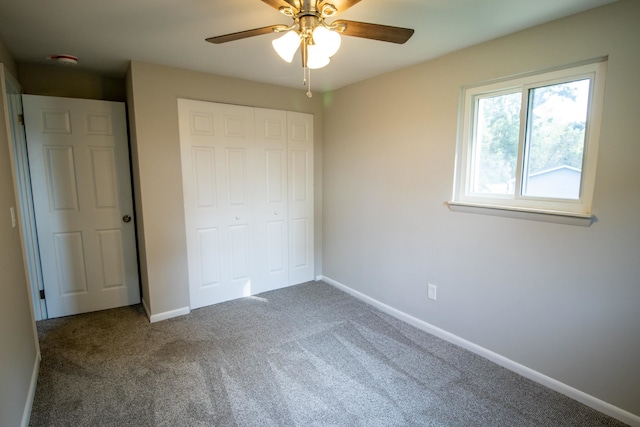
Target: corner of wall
7,59
137,198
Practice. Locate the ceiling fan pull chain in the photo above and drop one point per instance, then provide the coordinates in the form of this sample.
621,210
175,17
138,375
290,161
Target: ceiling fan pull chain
307,80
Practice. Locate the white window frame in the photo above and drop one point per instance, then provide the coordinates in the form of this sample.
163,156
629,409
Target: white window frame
465,200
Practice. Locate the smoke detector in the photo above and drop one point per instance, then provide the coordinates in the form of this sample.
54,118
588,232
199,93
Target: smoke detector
63,58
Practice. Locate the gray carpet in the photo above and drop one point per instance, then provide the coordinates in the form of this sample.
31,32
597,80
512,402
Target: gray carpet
309,355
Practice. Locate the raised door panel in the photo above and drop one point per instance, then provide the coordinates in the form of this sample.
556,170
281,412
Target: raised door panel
208,256
111,259
99,123
236,171
201,123
70,264
275,176
55,121
103,175
239,253
300,176
236,126
277,248
300,243
204,173
60,176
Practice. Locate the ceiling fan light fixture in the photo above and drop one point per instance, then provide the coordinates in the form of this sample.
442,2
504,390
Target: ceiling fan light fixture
287,45
316,57
326,40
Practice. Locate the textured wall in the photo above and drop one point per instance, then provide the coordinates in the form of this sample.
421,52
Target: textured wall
7,60
559,299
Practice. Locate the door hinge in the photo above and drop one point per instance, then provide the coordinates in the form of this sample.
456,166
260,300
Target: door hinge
42,294
21,119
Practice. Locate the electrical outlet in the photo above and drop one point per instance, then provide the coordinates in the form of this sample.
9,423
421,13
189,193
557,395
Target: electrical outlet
431,291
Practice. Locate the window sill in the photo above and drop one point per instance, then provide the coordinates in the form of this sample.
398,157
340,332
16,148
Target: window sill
528,214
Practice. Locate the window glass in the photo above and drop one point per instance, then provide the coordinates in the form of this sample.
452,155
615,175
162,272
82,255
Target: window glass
557,118
496,146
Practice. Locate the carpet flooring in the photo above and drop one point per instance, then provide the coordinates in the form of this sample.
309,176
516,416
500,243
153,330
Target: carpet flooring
308,355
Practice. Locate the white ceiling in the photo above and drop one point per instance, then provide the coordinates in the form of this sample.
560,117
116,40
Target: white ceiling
106,34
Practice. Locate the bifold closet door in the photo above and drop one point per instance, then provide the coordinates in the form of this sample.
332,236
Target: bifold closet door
238,185
271,200
301,197
216,144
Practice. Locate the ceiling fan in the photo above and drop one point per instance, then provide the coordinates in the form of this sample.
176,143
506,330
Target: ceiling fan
317,39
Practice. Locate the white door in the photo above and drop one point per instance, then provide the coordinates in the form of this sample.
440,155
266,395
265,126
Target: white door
271,200
217,164
236,180
79,163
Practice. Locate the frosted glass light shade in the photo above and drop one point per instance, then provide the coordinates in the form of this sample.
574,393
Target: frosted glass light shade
287,45
316,57
328,41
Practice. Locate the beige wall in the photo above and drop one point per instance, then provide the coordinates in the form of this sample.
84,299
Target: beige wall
152,93
7,60
18,342
70,82
562,300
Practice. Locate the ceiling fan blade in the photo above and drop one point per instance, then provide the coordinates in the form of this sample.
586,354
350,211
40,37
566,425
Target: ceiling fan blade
277,4
341,5
244,34
383,33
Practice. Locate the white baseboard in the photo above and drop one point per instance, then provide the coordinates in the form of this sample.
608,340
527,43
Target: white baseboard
582,397
146,309
26,414
153,318
168,314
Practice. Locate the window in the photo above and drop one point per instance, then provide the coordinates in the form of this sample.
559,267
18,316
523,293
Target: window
530,143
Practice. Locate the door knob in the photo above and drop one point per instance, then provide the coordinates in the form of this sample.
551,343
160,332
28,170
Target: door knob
275,212
126,218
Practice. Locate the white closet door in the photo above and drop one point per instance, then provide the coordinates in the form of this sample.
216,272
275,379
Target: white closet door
218,162
271,201
241,167
301,206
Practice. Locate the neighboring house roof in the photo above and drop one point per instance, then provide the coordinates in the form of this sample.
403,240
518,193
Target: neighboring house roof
562,182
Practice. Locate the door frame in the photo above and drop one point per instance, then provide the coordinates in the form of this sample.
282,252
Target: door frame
25,211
